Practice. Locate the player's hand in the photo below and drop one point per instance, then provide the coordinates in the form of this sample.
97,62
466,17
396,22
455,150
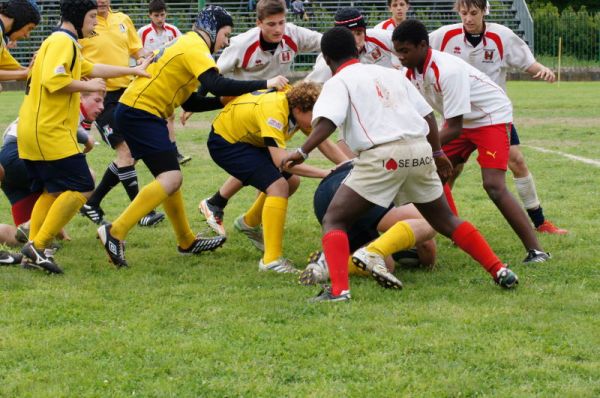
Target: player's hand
63,235
292,159
545,74
89,145
444,167
226,99
278,82
96,84
12,44
184,117
140,70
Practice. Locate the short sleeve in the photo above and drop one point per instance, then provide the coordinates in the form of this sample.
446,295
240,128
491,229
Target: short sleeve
197,61
435,39
309,40
333,103
86,67
7,62
56,69
273,124
228,60
456,91
321,72
518,53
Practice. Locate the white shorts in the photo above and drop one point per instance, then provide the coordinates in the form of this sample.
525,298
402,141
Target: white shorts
401,171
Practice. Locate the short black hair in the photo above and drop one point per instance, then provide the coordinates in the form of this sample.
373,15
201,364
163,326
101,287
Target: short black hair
156,6
412,31
338,44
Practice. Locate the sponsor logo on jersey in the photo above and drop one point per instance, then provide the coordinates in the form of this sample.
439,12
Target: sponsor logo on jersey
60,70
275,123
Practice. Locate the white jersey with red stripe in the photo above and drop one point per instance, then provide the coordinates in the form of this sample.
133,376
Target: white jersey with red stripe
153,40
499,49
388,24
453,87
372,105
245,59
378,50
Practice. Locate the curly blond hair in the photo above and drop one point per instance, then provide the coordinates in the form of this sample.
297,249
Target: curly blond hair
303,95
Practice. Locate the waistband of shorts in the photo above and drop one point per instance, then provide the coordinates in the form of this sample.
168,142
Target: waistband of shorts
401,141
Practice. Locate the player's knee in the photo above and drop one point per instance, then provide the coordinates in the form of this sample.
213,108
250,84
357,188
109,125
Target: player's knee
124,157
279,187
494,189
293,183
170,180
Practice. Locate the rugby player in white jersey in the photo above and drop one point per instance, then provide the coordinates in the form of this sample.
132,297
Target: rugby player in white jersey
399,11
494,49
478,115
385,120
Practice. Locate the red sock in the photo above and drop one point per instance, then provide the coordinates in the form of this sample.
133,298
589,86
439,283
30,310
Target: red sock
470,240
21,210
450,199
337,251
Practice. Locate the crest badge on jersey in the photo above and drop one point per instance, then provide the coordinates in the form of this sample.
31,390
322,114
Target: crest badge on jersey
456,50
285,57
488,56
122,28
376,54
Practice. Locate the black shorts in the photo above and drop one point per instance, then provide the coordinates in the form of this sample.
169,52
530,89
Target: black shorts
105,122
145,133
68,174
514,137
16,184
250,164
364,230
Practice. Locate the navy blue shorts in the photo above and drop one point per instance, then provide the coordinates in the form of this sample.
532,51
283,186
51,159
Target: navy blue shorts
514,137
16,184
364,230
68,174
105,121
145,133
249,164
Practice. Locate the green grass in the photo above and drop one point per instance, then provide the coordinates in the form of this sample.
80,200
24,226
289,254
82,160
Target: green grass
212,325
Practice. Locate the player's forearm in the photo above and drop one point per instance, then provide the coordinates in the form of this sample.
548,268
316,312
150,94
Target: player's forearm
332,152
19,74
220,86
200,103
74,86
306,170
107,71
320,133
451,130
433,137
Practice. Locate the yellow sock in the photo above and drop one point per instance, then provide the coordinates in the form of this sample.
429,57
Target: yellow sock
66,205
399,237
273,216
146,200
39,213
175,210
354,270
253,216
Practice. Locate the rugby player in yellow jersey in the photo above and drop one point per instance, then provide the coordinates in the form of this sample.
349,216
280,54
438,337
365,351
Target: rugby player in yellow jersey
178,70
17,19
248,139
48,121
115,41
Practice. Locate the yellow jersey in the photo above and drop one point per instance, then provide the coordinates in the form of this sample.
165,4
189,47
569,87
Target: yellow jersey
252,117
116,40
174,76
48,118
7,62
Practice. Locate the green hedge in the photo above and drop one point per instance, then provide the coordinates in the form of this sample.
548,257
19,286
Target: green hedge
580,32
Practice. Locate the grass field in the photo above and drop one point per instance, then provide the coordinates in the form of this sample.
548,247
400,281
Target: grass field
212,325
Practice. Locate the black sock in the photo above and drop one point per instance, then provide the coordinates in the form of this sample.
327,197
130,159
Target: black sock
108,182
218,200
537,216
128,177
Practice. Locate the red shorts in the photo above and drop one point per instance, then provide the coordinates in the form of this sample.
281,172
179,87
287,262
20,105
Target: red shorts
492,143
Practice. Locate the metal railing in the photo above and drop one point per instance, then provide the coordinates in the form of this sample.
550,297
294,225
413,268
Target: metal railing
526,22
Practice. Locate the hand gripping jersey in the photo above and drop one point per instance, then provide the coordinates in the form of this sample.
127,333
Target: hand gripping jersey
153,40
388,24
252,117
378,50
244,59
453,88
174,75
48,118
373,105
499,50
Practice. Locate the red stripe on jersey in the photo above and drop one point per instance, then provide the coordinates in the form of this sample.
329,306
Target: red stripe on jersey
498,42
436,72
145,33
249,53
388,23
361,123
167,27
377,42
448,36
410,74
347,63
288,40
